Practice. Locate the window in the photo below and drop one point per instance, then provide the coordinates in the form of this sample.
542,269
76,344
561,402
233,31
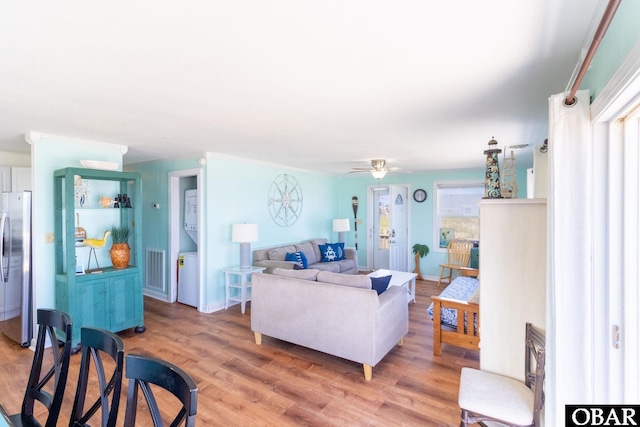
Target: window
456,211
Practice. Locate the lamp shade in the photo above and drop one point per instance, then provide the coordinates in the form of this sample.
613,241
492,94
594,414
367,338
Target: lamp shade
341,224
379,174
244,233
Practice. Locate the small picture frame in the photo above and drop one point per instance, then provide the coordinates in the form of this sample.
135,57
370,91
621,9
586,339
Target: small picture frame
79,269
446,235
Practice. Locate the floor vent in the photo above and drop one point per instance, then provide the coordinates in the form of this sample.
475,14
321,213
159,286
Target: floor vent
155,270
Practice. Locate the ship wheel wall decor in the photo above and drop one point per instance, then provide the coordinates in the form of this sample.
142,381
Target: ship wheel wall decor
285,200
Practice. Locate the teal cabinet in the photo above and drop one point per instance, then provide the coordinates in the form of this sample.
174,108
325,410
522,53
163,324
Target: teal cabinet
102,297
474,258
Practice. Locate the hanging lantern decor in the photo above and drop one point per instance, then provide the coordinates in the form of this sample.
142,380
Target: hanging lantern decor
492,178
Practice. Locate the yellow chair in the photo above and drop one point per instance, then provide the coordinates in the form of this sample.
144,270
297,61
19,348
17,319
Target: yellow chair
458,254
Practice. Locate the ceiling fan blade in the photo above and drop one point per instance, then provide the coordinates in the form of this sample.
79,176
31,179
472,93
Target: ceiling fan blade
359,170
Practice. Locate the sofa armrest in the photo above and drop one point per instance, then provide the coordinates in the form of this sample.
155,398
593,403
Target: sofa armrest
272,265
351,253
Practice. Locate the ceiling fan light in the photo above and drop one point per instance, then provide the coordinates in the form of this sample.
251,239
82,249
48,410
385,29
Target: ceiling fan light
379,174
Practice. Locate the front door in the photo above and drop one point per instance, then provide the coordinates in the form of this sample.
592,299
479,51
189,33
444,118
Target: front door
398,244
387,240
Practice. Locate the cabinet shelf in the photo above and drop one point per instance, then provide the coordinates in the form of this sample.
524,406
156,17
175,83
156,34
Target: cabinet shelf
111,299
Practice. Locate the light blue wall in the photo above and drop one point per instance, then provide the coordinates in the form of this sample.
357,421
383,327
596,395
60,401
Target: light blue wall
155,184
49,154
621,37
235,191
422,214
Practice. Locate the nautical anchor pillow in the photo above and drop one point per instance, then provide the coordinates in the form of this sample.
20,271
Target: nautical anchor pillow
332,252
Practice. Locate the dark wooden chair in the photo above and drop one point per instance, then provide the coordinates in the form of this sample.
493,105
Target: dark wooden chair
142,371
485,396
48,322
97,344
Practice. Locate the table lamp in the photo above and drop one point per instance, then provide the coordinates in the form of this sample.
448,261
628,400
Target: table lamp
340,226
244,234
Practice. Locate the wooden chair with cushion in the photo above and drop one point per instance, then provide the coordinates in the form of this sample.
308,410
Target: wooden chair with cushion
97,345
458,254
485,396
144,371
55,378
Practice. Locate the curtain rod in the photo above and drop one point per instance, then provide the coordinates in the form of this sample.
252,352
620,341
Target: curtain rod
606,19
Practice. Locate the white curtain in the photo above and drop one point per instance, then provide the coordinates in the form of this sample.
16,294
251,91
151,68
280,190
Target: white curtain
570,242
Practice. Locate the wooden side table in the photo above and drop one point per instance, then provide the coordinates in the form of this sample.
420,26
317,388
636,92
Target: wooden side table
243,284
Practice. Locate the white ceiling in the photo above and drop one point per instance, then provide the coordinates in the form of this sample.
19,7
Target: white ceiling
319,85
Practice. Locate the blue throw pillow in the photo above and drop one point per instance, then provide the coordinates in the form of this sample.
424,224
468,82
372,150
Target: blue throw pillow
332,252
297,257
380,284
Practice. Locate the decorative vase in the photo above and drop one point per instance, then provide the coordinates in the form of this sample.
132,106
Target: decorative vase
120,254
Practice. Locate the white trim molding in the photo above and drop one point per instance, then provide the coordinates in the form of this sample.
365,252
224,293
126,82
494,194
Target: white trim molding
32,137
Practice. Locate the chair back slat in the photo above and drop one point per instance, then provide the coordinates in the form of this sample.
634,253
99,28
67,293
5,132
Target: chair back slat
459,252
97,343
142,372
53,325
534,368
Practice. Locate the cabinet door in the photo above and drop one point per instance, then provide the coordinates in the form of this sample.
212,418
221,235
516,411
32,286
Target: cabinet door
125,302
20,179
5,178
91,309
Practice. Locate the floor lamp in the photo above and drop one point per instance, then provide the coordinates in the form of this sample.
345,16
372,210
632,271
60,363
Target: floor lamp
340,226
244,234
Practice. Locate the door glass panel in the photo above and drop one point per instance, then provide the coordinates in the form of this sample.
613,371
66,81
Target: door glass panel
381,231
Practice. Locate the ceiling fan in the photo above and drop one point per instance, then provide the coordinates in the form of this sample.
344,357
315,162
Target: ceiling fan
378,171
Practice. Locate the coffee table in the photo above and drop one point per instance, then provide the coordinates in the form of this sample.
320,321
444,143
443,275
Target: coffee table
399,278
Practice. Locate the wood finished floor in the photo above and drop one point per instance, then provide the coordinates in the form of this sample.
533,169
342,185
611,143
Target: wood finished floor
278,383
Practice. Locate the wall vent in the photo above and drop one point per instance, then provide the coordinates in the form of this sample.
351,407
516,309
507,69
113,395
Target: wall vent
155,277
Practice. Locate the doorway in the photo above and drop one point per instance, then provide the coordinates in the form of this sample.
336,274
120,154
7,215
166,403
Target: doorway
388,213
182,241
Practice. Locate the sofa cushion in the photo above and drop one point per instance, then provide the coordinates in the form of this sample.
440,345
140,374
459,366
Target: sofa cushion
353,280
380,284
328,266
279,254
308,274
307,249
298,257
332,252
315,243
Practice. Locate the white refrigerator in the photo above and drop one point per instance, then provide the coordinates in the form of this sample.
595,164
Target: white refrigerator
188,278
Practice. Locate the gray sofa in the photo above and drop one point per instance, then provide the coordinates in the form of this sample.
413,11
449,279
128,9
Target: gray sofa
274,257
338,314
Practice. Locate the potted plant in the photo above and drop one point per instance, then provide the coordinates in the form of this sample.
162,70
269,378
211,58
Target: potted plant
120,252
420,251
